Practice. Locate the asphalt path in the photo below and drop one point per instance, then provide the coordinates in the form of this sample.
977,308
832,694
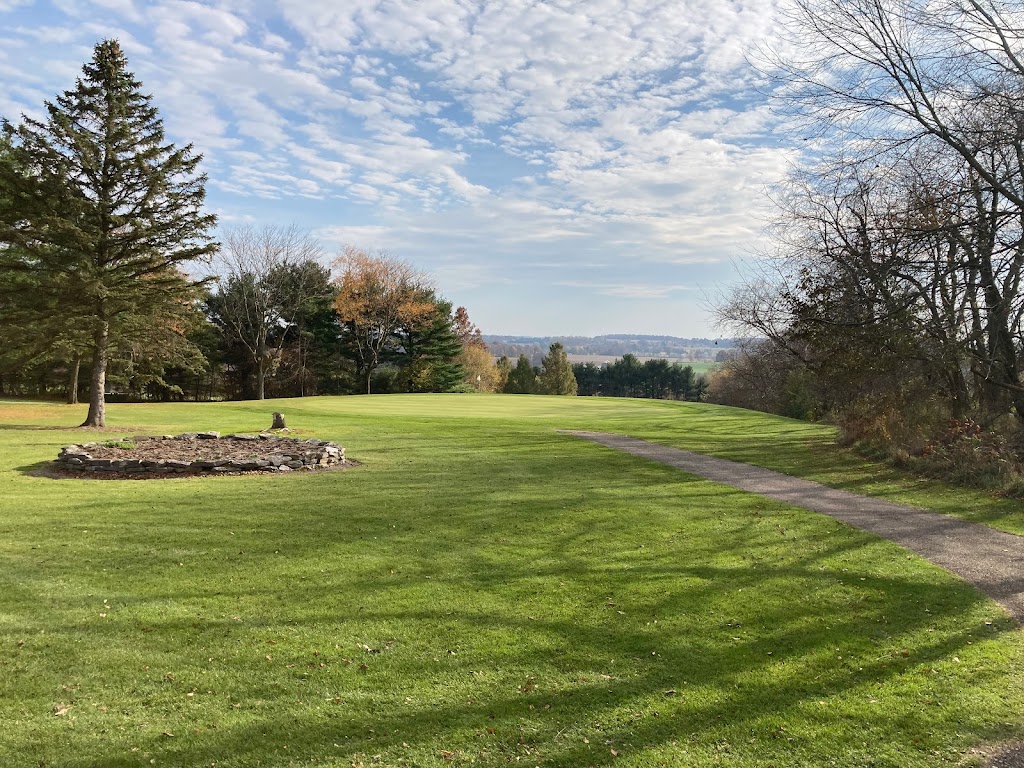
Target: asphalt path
991,560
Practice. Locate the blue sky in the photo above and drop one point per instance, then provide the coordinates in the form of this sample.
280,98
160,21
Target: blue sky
558,167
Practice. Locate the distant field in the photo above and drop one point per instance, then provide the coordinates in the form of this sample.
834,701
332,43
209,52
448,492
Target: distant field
483,591
698,367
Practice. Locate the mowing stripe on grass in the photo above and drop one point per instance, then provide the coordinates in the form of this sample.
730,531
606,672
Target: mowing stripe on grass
991,560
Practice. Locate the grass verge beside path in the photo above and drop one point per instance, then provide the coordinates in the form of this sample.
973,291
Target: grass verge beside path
482,591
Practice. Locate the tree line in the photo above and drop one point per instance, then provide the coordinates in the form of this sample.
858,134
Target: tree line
101,230
893,301
628,377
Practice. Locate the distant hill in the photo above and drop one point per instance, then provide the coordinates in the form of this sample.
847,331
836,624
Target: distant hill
612,345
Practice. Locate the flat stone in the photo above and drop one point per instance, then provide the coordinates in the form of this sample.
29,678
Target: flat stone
208,435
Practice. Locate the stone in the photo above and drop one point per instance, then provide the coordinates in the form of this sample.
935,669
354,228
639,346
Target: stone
289,454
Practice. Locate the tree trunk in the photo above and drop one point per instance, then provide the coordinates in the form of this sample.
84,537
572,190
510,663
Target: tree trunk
73,380
369,373
261,364
97,403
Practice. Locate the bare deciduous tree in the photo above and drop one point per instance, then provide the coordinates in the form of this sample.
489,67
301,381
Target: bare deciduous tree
265,276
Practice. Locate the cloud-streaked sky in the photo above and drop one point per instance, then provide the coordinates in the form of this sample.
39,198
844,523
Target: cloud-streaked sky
558,166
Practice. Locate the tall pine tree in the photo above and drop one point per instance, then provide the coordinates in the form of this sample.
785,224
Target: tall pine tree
98,209
556,376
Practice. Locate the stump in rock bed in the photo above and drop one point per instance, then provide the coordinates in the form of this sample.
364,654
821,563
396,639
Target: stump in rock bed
278,421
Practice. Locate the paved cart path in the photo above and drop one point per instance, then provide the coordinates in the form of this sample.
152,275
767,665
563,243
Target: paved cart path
991,560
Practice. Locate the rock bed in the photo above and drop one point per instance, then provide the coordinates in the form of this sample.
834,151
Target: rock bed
201,453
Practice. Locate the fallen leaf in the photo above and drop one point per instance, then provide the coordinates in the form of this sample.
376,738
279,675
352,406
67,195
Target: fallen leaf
614,753
61,709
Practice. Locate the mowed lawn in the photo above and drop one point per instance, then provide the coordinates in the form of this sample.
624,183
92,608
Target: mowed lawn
483,591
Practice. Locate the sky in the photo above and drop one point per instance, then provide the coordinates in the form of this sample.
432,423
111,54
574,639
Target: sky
558,167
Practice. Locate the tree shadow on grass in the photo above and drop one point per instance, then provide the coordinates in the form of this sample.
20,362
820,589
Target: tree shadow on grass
705,633
757,683
708,693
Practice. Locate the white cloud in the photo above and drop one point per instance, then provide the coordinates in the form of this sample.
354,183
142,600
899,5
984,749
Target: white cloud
576,133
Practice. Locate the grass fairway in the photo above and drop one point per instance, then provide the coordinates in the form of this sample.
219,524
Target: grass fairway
482,591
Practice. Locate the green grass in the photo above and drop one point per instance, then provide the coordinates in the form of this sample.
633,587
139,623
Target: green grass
526,598
703,367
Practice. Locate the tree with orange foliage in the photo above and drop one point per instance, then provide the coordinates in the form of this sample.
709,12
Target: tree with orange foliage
468,332
376,296
481,373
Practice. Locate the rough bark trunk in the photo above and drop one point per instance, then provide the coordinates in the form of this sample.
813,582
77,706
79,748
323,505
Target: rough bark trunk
75,367
97,402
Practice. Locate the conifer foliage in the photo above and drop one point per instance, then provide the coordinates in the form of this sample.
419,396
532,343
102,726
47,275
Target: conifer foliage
556,376
99,211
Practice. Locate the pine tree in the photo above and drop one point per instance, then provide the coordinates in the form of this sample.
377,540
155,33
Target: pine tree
522,380
556,376
428,351
100,210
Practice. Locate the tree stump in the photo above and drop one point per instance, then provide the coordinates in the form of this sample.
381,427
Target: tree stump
278,421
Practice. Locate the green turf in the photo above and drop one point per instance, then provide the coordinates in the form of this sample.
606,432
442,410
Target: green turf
481,591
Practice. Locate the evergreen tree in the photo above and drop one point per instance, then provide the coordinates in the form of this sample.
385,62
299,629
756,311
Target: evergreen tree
523,378
556,376
100,210
588,378
428,351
